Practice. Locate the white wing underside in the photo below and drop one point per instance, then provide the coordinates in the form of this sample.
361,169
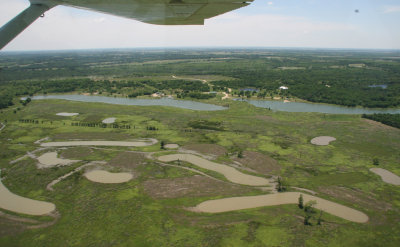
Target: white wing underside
161,12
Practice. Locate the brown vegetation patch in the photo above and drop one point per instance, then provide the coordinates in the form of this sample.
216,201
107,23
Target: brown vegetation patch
76,152
212,149
267,118
259,162
356,197
192,187
378,125
10,227
127,160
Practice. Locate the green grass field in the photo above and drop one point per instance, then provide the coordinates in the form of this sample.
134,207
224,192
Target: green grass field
132,214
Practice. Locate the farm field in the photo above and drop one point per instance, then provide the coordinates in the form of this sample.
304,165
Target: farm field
152,206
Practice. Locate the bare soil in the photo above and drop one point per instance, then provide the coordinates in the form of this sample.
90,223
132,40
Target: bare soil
322,140
247,202
105,177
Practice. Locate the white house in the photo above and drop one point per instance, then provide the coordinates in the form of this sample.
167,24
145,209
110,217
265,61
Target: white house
283,88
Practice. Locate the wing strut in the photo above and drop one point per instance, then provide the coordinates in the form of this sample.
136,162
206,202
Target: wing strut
14,27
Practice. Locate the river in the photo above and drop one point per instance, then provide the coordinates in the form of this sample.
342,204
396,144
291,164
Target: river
198,106
315,107
185,104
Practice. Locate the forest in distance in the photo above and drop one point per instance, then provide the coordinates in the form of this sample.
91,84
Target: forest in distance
343,77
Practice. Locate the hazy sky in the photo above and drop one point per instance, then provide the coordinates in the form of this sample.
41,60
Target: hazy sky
280,23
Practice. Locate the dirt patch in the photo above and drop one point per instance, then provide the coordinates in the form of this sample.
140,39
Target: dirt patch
50,159
207,149
247,202
171,146
109,120
259,162
105,177
67,114
322,140
127,160
191,187
23,205
356,197
387,176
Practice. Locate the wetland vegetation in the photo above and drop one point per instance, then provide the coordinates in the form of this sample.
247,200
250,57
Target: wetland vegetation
154,204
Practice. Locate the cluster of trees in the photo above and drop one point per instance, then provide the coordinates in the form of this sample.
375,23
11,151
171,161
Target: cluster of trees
151,128
26,101
33,121
6,99
184,85
206,124
283,185
196,95
309,211
385,118
140,93
317,76
100,125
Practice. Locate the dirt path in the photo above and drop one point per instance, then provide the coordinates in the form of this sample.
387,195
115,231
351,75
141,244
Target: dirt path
247,202
189,78
52,183
42,140
306,190
226,96
28,154
2,126
230,173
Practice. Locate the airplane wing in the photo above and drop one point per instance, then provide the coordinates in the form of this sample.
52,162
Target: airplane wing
161,12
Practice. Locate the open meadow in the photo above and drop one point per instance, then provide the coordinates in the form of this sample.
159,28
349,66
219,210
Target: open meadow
154,202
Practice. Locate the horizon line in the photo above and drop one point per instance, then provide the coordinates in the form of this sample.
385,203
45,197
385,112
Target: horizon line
205,48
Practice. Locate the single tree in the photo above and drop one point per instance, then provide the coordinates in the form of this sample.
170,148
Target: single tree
309,212
375,161
319,218
240,154
307,220
282,185
162,144
301,201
